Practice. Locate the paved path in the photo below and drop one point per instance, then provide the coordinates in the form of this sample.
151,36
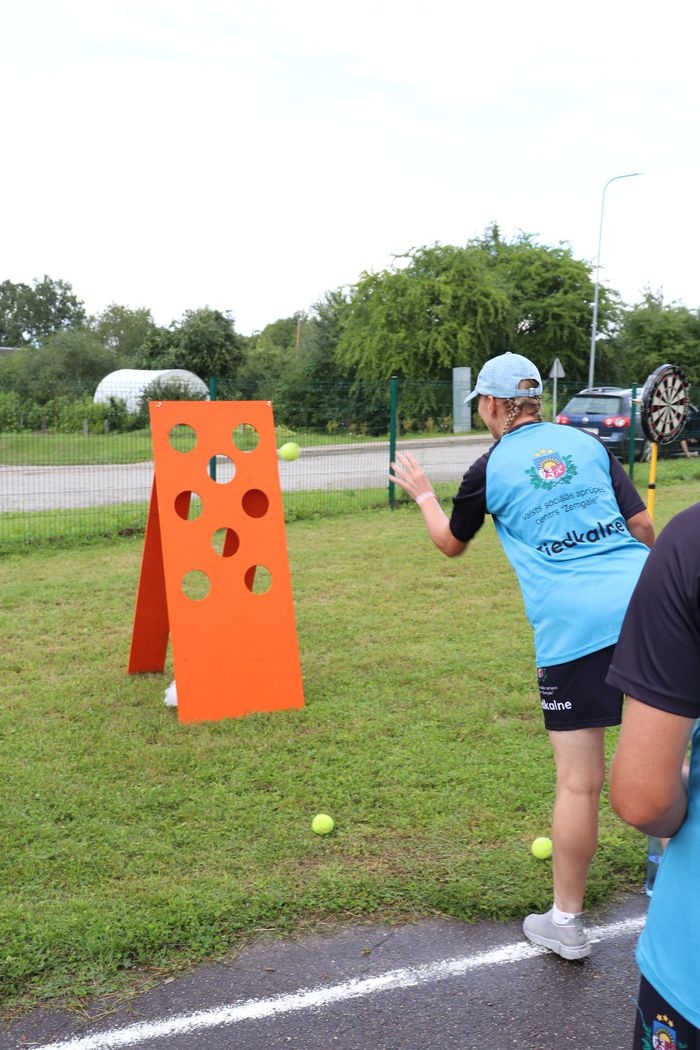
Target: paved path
438,985
325,467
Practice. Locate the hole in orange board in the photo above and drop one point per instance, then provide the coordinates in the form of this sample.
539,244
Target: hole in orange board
222,469
182,437
246,437
188,505
196,585
255,503
258,579
225,542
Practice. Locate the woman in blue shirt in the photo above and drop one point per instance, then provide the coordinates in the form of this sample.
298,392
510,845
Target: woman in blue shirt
570,521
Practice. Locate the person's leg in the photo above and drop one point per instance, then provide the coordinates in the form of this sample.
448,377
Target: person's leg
577,705
579,756
580,764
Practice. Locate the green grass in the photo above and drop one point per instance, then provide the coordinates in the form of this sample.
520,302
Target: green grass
57,450
135,846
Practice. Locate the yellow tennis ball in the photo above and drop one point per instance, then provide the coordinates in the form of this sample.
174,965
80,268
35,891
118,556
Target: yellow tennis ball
290,450
322,824
542,847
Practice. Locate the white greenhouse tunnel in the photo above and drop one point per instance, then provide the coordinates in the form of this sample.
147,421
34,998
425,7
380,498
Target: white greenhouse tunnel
129,384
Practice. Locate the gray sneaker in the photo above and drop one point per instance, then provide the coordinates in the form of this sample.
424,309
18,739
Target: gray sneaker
569,941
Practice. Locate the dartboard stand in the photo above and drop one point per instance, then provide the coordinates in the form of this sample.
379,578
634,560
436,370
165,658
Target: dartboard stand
665,406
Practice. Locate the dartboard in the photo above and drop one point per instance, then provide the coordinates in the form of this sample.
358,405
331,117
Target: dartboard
665,404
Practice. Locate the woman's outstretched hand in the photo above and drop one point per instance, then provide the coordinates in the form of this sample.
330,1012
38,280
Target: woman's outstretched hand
407,472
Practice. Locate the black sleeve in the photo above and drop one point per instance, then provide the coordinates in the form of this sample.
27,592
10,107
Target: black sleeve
469,505
657,657
628,499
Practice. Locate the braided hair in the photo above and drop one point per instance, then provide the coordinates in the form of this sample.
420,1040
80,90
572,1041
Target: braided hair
517,406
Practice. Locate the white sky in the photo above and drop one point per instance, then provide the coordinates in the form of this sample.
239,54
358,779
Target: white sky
250,155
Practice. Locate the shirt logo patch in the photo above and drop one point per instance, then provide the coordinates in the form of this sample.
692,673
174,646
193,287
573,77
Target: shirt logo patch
663,1034
551,469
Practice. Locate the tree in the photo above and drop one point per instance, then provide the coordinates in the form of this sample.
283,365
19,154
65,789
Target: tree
28,314
444,306
205,342
123,331
66,364
550,298
435,309
653,334
271,360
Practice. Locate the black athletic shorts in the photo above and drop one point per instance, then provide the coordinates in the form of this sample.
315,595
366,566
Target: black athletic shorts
575,695
659,1025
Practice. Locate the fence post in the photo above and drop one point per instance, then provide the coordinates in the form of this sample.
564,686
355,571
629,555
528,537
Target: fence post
212,397
393,389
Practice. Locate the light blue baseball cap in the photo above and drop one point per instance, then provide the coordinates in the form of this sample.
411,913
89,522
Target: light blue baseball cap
500,377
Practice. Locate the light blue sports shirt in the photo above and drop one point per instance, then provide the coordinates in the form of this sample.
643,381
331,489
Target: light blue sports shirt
560,503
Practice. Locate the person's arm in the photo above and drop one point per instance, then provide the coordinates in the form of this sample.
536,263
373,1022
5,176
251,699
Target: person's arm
642,527
631,504
648,781
407,472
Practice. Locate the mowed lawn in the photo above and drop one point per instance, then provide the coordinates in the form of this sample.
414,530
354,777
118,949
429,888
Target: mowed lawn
134,846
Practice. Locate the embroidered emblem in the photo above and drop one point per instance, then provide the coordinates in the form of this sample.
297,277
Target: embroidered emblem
551,469
661,1035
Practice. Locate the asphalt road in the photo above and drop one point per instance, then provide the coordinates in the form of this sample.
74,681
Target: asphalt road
438,985
325,467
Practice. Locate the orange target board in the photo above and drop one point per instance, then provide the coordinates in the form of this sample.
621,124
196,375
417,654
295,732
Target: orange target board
215,572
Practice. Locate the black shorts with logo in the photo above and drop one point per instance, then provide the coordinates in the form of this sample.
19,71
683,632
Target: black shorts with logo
575,695
658,1024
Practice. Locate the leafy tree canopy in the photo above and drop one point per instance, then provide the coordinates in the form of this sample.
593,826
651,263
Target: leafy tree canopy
442,306
30,313
204,341
551,300
66,364
434,309
654,334
123,331
271,356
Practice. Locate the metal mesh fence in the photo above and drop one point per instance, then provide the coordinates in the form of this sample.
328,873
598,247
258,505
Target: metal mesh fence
69,486
87,471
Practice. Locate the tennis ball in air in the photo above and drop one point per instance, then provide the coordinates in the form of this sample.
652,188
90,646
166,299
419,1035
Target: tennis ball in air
322,824
290,450
542,847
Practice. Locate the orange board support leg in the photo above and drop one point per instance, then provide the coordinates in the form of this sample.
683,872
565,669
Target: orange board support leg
149,637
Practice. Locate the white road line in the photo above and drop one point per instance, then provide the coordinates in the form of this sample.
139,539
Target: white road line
313,998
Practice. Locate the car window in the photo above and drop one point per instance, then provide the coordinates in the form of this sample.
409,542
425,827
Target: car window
594,405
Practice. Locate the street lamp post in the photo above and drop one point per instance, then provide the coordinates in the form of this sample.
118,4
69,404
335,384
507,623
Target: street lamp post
594,327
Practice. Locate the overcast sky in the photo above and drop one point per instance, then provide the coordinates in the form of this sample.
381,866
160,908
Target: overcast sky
251,155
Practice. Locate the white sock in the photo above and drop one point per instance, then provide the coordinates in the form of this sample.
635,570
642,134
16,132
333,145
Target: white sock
563,918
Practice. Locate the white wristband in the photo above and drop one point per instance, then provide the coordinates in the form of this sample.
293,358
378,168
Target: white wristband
425,496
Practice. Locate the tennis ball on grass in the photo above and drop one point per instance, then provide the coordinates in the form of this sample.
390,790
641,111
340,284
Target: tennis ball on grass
290,450
322,824
542,847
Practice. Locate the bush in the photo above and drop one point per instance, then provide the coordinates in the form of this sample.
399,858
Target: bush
10,411
163,390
